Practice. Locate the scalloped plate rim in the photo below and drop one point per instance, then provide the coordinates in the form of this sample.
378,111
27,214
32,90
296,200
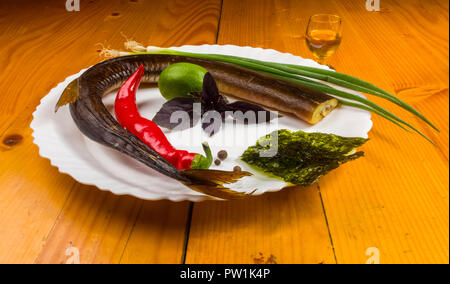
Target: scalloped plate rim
64,169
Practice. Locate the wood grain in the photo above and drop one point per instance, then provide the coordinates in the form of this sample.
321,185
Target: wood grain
289,225
395,199
284,227
106,221
40,51
156,237
32,193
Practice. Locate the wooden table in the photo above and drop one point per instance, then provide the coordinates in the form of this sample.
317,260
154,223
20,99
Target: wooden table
395,200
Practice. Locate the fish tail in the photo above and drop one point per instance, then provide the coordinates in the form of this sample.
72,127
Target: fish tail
212,182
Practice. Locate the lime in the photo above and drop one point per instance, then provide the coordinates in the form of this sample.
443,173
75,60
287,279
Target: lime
180,79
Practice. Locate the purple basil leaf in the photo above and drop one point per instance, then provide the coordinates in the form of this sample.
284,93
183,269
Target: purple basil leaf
210,91
181,111
210,94
221,104
240,112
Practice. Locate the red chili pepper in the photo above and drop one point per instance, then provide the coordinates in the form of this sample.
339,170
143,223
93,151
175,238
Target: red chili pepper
128,116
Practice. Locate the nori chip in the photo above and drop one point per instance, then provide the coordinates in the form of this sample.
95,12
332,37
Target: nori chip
302,158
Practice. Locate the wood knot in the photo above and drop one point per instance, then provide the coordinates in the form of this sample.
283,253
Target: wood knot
12,140
115,14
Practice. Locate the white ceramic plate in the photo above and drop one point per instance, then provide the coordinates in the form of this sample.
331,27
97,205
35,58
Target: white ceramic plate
60,141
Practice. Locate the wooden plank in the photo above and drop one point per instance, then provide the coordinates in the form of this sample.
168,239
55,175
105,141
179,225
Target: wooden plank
156,237
406,38
285,227
28,181
31,193
396,199
96,224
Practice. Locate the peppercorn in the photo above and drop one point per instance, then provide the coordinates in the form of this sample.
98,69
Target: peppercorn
217,162
222,155
237,169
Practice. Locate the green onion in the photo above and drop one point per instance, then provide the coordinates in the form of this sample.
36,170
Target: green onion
364,107
340,79
346,81
305,76
368,104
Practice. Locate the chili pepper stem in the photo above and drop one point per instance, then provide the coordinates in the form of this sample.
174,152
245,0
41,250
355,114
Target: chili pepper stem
202,162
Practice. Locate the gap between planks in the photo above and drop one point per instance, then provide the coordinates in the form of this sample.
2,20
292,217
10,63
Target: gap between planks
326,222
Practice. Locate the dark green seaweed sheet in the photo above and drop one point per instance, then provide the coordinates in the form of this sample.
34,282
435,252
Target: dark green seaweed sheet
302,158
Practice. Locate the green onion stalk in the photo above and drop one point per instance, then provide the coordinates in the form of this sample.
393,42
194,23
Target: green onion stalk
314,78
